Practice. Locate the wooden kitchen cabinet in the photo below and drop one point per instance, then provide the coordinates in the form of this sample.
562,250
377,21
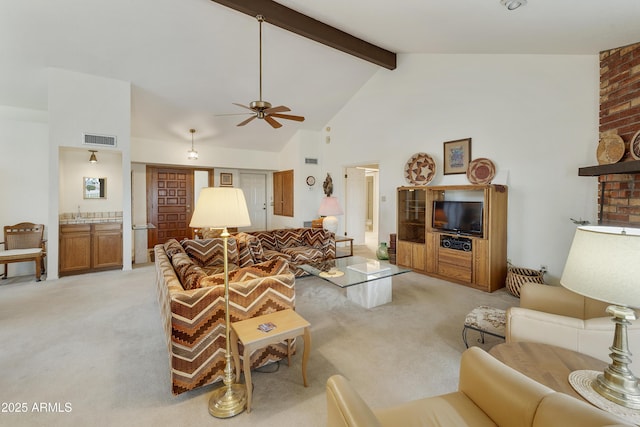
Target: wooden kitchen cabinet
75,248
90,247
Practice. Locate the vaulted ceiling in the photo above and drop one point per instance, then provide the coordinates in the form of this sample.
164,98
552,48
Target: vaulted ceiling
189,60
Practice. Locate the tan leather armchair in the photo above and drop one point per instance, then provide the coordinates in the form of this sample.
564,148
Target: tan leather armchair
489,394
557,316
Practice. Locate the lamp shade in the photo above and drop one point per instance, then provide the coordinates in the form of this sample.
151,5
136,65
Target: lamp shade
220,207
329,206
604,264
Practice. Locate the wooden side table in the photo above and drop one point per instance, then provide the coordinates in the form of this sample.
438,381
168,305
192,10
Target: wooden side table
547,364
344,239
289,325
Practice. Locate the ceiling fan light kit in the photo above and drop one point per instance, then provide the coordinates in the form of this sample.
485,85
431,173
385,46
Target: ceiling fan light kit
513,4
263,109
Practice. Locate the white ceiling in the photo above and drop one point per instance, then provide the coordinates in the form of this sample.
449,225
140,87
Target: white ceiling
188,60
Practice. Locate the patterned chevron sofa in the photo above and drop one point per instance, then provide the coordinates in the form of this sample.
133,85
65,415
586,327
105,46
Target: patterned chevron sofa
193,310
295,245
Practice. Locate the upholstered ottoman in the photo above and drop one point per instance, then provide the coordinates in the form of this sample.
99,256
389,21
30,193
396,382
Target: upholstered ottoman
486,320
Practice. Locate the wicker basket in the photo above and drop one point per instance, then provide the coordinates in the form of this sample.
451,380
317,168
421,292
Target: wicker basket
517,276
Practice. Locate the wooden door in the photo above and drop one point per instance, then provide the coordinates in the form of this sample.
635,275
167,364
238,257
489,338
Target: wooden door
169,204
283,193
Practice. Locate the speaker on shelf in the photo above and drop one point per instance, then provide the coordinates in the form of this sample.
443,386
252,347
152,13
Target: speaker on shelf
457,243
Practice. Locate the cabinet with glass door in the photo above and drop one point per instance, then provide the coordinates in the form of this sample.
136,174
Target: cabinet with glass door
412,211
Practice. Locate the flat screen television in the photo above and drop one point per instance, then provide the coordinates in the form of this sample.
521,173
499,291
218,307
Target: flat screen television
458,217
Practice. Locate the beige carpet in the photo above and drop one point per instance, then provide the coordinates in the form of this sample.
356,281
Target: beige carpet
91,348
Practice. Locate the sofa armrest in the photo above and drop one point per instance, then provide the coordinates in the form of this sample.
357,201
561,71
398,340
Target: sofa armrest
592,337
552,299
524,324
504,394
559,409
345,407
558,300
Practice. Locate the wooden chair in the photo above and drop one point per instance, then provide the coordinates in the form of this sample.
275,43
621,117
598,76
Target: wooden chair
23,243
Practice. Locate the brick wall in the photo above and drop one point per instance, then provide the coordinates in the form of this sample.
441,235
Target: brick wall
620,114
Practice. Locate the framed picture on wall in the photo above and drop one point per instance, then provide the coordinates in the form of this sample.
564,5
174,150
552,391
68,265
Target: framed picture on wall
457,155
226,179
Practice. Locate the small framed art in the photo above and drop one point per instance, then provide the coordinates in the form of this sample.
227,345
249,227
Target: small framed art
457,155
226,179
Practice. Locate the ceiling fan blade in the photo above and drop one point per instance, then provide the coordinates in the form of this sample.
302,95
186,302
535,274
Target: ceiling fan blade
278,109
231,114
272,122
288,117
246,121
240,105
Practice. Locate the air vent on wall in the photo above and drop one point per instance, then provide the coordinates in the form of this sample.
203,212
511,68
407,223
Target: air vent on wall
310,161
99,140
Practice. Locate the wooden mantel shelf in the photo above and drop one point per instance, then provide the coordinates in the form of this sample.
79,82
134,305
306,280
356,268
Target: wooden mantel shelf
622,167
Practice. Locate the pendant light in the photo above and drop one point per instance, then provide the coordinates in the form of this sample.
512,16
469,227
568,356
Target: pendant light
93,159
192,154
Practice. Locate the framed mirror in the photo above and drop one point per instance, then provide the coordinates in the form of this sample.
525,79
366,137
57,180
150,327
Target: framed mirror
94,188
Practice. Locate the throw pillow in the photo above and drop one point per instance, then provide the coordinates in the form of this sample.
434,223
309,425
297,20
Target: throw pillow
289,239
188,273
315,237
209,252
172,247
249,249
267,240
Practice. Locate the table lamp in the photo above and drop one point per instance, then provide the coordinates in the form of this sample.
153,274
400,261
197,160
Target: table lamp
329,207
604,264
222,207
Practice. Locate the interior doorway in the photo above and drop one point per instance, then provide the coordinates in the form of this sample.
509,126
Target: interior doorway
361,204
254,186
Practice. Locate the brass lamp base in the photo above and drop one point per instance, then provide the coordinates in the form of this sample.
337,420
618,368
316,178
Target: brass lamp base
627,395
228,401
617,383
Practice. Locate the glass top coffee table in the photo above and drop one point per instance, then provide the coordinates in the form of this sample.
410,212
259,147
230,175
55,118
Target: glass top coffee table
368,281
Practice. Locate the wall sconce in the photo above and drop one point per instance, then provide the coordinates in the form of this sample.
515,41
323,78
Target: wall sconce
93,158
192,154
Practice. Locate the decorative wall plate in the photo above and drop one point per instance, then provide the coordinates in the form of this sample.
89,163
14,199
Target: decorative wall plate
420,169
610,149
634,146
481,171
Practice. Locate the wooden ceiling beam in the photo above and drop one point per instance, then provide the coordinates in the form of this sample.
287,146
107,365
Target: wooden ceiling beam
298,23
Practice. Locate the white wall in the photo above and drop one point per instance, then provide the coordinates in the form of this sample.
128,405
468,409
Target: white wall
153,151
79,103
535,116
74,166
24,166
304,144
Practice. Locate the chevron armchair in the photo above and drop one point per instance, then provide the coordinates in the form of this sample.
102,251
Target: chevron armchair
194,320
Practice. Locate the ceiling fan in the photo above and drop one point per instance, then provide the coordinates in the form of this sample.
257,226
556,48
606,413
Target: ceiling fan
263,109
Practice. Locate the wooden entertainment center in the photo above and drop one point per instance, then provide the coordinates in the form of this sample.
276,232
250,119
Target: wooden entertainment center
477,259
